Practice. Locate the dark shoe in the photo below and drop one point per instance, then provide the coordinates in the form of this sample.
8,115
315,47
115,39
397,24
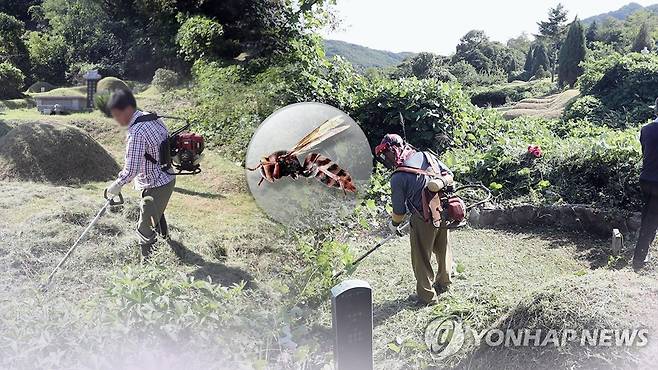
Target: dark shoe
415,299
440,289
162,228
638,265
146,250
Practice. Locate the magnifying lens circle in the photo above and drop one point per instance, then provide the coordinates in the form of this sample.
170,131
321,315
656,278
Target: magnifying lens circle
306,201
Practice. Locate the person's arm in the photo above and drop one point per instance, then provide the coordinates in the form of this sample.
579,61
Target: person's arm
398,199
134,159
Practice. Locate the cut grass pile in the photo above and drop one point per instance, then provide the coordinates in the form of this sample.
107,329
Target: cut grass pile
58,154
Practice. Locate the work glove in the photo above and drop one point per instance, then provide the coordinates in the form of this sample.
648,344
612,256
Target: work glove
114,189
395,228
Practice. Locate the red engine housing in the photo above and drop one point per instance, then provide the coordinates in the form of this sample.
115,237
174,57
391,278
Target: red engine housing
190,141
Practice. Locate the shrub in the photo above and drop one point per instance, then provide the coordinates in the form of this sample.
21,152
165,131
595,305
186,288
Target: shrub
12,81
100,102
625,85
165,79
199,37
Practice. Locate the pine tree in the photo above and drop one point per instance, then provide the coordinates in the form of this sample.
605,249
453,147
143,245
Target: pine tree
540,59
571,54
551,33
529,59
592,35
643,39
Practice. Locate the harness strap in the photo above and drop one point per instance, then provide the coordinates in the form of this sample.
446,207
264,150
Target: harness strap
146,118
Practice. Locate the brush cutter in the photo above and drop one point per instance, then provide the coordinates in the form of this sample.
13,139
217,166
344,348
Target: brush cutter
109,202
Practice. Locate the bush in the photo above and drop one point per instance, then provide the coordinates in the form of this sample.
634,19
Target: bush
437,115
12,81
625,85
165,79
110,84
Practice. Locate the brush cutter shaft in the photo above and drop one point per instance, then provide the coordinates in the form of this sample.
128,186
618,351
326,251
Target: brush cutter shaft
371,250
75,245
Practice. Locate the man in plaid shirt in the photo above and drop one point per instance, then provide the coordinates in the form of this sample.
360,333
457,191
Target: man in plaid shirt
143,140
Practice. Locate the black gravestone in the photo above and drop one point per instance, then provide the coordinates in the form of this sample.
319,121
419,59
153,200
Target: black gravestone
351,306
92,77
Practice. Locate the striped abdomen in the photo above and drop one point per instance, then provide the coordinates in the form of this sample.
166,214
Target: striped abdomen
327,172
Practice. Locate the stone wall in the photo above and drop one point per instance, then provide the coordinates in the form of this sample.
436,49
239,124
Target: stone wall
567,217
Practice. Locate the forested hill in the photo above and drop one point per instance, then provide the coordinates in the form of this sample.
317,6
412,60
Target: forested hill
363,57
621,13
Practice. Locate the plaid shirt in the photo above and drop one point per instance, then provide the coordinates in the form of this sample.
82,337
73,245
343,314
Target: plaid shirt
144,137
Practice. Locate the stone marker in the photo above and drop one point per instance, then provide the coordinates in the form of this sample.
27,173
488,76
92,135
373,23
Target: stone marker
351,307
92,77
617,241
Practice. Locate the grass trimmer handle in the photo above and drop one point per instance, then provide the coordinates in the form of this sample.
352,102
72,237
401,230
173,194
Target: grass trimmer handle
111,199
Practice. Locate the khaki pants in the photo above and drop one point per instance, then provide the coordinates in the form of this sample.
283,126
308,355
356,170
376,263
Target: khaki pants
425,240
151,215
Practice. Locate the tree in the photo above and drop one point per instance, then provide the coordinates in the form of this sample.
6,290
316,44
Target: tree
529,59
48,56
643,39
592,34
485,55
540,59
199,37
424,66
551,32
520,43
12,46
572,54
12,81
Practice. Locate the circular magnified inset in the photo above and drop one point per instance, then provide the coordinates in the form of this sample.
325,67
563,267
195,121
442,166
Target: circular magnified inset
307,163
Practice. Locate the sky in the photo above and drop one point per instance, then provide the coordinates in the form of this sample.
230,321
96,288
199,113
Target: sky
437,26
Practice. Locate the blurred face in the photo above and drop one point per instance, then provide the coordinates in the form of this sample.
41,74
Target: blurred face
123,116
388,157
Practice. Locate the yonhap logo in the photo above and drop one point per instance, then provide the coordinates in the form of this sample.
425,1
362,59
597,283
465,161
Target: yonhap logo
445,337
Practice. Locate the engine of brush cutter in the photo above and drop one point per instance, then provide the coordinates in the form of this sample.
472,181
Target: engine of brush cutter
186,150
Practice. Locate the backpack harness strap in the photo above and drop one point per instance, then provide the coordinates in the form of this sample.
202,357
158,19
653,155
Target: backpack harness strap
146,118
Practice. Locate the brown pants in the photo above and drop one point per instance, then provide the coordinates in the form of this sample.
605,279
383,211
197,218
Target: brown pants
152,208
425,240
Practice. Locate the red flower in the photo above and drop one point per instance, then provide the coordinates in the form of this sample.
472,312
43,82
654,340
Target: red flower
535,150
